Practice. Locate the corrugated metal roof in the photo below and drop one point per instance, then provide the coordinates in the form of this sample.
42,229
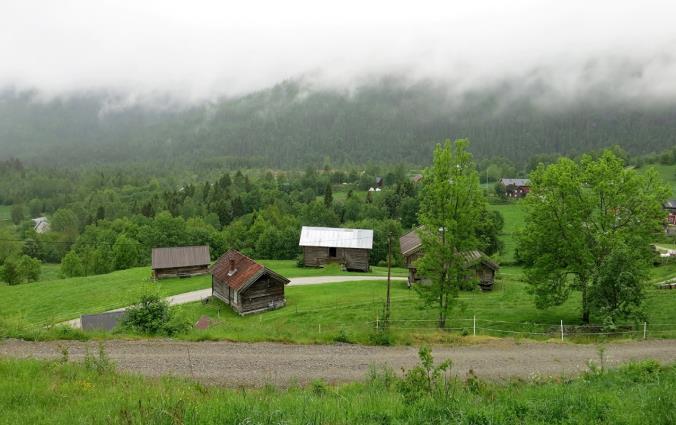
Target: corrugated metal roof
181,256
332,237
670,204
515,182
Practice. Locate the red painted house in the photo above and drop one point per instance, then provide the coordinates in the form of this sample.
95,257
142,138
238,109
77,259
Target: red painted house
515,188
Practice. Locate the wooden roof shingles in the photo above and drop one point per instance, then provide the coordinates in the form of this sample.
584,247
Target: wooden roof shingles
243,271
411,242
180,256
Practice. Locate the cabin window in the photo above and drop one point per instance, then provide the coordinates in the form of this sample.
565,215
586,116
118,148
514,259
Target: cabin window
332,252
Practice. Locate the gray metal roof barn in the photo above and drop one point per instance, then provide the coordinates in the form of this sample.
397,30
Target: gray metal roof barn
348,247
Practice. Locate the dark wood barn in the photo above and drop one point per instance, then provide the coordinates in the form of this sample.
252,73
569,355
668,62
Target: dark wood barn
247,286
349,247
182,261
515,188
478,265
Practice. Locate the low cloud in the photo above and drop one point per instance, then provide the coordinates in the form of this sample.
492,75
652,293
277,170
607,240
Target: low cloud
193,52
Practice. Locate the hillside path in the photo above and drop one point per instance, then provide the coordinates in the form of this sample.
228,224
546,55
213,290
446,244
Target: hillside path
257,364
189,297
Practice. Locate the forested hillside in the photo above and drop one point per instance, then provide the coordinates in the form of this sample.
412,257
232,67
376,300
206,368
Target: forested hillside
290,126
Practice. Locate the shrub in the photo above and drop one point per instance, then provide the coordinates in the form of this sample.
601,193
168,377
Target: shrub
10,272
20,270
426,379
29,268
71,265
381,337
152,316
342,337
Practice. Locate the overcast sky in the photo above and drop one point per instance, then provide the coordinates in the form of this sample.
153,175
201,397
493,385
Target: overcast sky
197,50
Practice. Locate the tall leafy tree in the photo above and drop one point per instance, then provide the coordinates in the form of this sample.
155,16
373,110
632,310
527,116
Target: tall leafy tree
588,228
450,205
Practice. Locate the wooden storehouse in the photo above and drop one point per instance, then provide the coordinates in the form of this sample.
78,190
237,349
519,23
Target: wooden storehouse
247,286
478,265
515,188
349,247
182,261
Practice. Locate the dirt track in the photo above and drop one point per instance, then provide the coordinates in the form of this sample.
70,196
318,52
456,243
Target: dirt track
256,364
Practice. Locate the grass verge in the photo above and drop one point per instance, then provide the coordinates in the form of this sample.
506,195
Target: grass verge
35,392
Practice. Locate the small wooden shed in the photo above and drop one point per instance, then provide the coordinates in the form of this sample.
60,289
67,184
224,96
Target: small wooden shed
478,264
181,261
245,285
349,247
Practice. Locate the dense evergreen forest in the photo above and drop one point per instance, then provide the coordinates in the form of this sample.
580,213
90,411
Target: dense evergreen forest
290,126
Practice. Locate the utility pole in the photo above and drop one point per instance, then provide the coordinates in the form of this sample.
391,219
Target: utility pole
389,274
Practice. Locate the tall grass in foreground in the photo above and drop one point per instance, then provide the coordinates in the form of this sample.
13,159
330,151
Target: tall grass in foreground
34,392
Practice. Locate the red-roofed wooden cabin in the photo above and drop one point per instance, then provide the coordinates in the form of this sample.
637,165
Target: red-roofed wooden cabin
247,286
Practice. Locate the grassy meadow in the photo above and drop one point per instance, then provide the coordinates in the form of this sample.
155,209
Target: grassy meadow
347,312
36,392
57,300
54,301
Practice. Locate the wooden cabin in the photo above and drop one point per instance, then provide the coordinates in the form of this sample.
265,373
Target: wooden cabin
245,285
478,265
348,247
515,188
182,261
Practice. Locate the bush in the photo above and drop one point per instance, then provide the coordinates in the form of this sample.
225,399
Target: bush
29,268
20,270
152,316
426,379
10,272
71,265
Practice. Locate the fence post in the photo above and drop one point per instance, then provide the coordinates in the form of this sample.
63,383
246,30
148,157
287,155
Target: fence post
561,330
645,329
320,328
474,325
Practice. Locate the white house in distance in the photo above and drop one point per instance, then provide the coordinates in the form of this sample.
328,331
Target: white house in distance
349,247
40,225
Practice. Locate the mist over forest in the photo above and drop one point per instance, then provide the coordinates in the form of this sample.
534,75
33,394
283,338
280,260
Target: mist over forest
292,125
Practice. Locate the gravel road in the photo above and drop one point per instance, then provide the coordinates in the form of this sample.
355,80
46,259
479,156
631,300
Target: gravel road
189,297
244,364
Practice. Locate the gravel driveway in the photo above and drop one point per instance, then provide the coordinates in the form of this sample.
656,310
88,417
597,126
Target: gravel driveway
244,364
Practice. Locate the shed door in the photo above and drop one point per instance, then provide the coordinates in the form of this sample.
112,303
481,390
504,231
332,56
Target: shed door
332,252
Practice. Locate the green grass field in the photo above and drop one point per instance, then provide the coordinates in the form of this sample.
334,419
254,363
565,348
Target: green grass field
668,173
514,216
5,216
56,300
62,299
348,311
5,212
33,392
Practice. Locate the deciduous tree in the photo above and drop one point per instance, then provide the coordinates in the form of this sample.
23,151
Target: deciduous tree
450,206
589,225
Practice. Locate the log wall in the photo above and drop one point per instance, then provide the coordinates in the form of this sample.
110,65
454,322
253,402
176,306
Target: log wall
178,271
352,258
